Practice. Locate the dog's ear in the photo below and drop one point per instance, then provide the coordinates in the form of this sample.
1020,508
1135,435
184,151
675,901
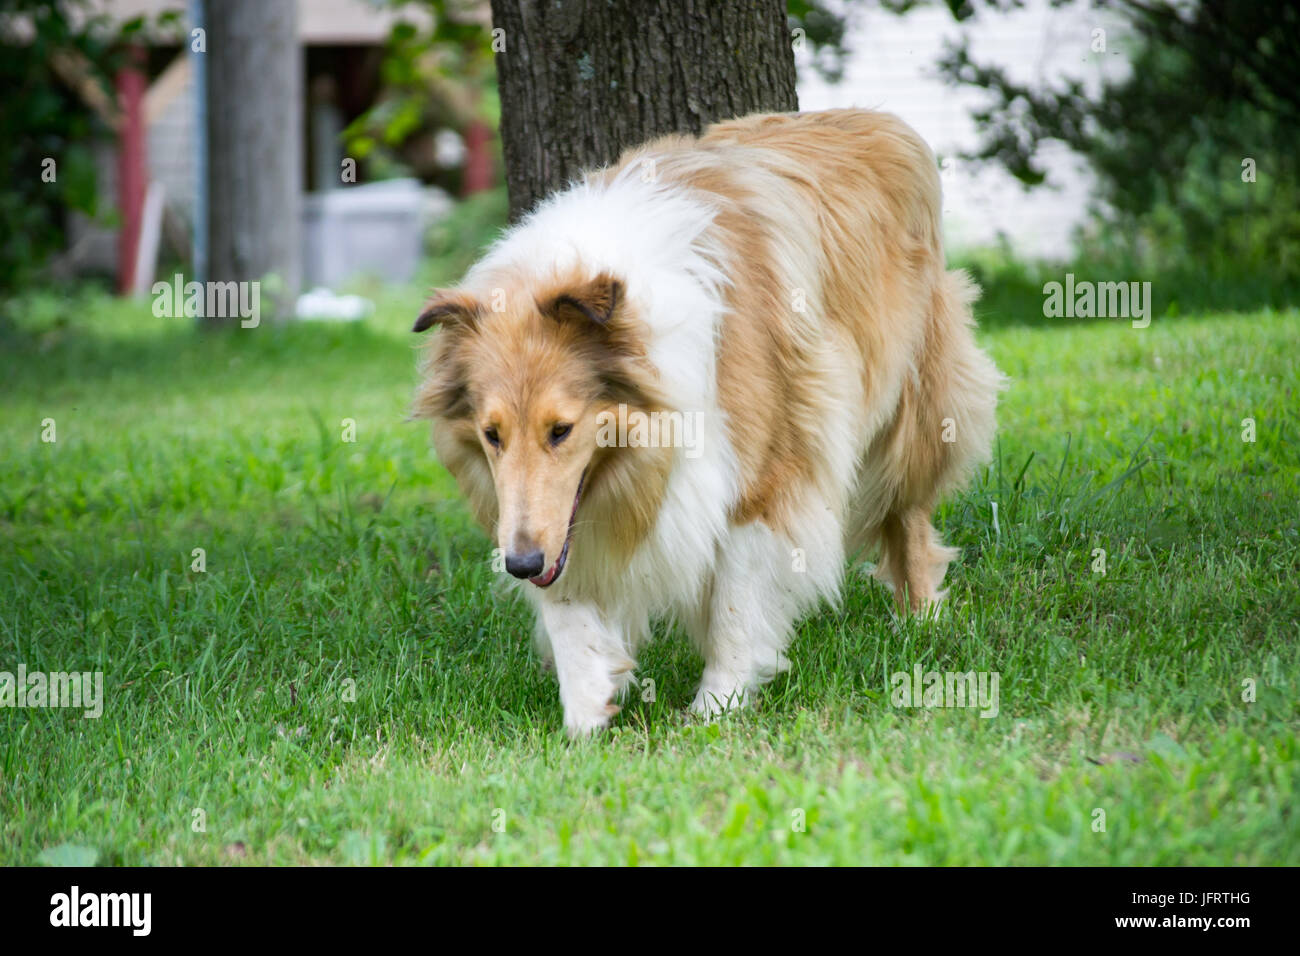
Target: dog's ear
447,306
594,301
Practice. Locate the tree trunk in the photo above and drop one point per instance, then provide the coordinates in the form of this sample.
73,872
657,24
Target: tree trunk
255,146
583,80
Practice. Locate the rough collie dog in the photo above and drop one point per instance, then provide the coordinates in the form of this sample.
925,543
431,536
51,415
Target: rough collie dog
694,384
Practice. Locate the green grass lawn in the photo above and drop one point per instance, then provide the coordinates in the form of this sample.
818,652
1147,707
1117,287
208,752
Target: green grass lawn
343,684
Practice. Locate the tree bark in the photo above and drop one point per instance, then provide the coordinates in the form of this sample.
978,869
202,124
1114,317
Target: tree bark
583,80
255,146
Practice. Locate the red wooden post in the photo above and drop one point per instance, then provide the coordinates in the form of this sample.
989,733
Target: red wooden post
478,158
132,165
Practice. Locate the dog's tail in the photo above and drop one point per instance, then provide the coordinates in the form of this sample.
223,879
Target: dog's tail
960,382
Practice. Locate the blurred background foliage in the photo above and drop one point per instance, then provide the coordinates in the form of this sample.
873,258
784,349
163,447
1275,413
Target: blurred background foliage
41,119
1212,83
442,77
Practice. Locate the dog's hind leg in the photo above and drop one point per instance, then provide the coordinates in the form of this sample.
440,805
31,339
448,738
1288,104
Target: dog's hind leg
913,560
943,429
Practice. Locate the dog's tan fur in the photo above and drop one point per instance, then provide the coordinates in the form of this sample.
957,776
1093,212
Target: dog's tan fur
911,315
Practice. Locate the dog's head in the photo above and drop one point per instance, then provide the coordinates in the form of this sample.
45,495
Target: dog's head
519,387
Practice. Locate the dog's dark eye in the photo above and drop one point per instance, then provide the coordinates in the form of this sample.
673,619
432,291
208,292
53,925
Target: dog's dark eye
493,438
559,433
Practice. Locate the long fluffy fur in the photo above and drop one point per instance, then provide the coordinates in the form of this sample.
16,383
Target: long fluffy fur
782,276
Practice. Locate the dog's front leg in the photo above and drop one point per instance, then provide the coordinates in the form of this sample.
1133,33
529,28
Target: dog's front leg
591,662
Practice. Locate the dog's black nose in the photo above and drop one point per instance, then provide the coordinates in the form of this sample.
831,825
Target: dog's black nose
526,565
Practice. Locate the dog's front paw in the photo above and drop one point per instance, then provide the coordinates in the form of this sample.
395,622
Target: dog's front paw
715,698
581,723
